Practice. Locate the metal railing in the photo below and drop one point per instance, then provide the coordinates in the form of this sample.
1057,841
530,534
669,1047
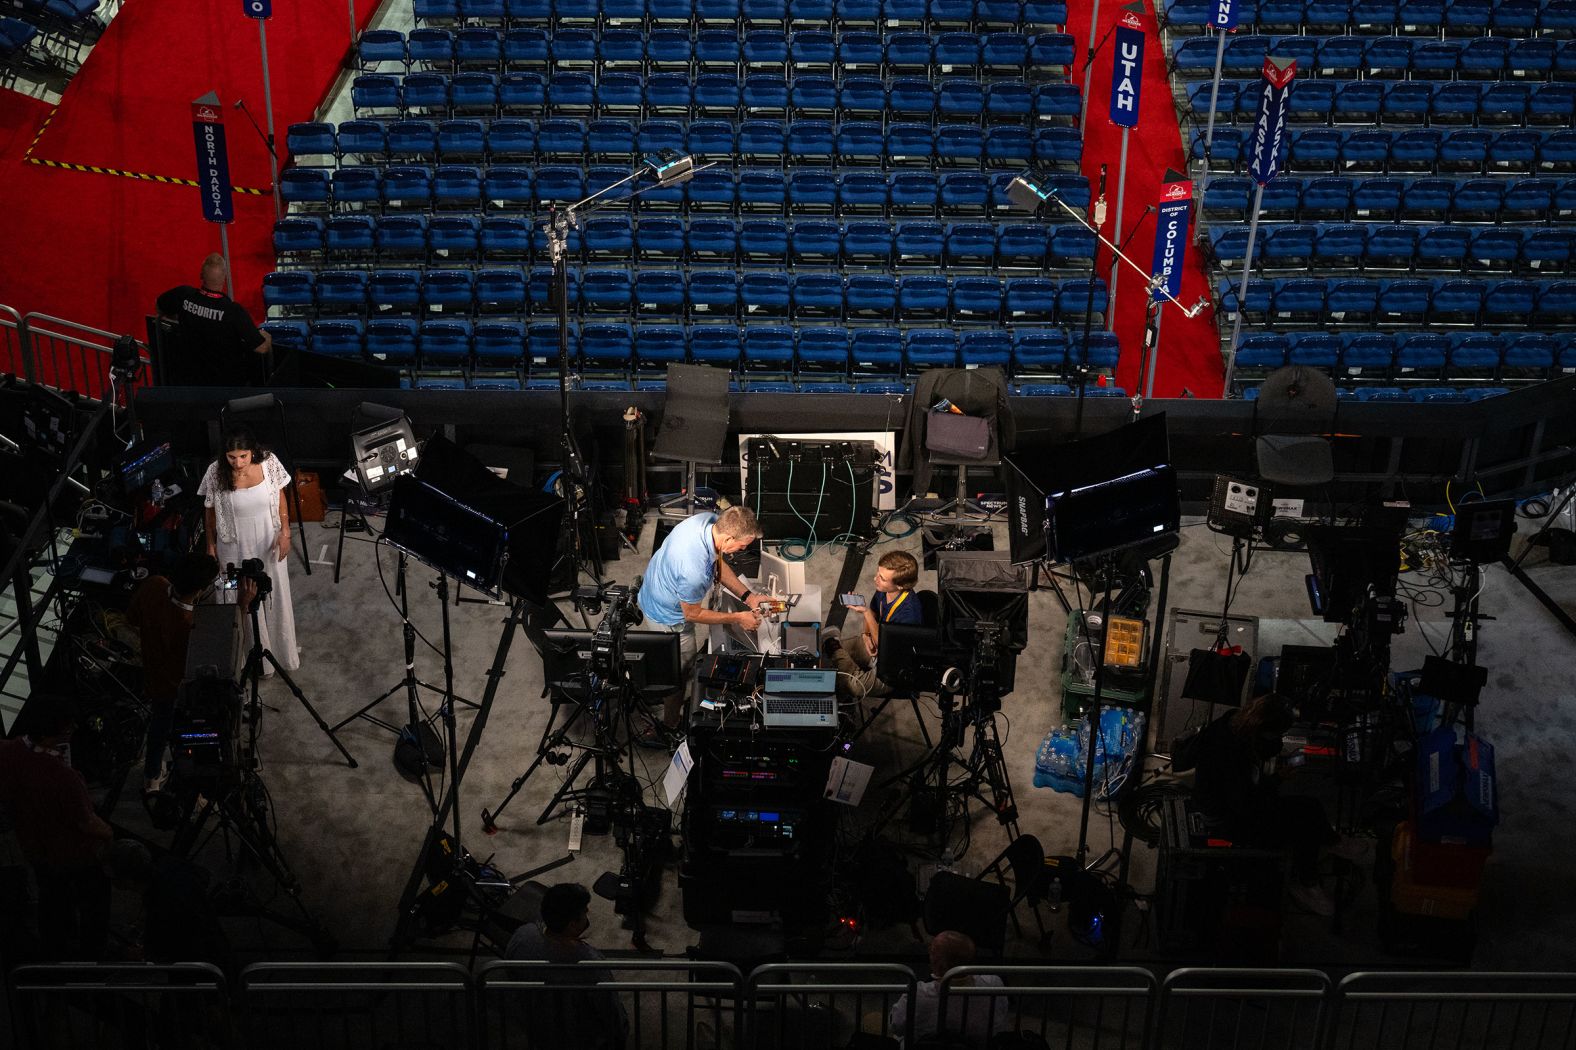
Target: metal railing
62,353
675,1004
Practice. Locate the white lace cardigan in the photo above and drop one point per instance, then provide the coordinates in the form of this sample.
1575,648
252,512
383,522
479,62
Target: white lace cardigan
275,479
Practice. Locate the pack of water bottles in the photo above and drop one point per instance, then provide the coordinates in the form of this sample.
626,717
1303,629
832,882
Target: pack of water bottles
1064,753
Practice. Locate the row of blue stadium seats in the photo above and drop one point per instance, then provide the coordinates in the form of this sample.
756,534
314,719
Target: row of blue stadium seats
1417,395
1396,102
1371,151
825,349
701,294
1446,249
891,387
1412,356
770,190
724,49
513,138
1482,58
724,95
1421,17
456,238
1385,199
697,12
1507,302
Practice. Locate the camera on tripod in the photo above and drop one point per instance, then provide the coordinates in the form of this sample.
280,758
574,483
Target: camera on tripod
607,641
251,569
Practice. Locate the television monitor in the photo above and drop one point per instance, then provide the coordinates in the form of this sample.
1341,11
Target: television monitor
1482,531
447,535
910,658
144,466
788,574
651,657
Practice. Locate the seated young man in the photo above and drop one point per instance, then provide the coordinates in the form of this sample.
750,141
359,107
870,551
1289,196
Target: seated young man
893,601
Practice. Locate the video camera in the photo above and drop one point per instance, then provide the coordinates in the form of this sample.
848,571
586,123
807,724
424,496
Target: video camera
250,569
623,612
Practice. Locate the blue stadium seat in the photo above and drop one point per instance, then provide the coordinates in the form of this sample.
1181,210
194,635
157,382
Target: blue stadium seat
446,291
715,345
606,290
1260,353
822,349
608,237
1556,304
289,290
764,293
413,140
457,186
446,343
659,345
502,290
768,348
298,235
1341,245
522,91
340,338
660,292
1456,302
868,242
816,241
1475,356
711,190
918,243
340,291
1421,356
1495,249
976,299
1039,352
304,185
454,236
817,295
876,352
609,140
1442,248
871,295
1547,251
498,343
607,347
350,235
1323,350
659,237
393,339
713,294
505,237
929,348
974,244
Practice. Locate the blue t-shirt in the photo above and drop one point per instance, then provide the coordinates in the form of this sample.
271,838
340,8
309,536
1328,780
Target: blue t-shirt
680,571
906,611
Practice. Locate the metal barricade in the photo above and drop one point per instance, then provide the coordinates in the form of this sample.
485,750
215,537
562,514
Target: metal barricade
14,358
73,356
356,1006
1463,1011
1093,1007
66,1006
653,1004
800,1005
1235,1009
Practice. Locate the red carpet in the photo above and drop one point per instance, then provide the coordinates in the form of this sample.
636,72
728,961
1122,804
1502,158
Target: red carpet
1189,348
98,248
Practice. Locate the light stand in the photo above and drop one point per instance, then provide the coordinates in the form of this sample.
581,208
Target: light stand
253,673
1028,193
668,171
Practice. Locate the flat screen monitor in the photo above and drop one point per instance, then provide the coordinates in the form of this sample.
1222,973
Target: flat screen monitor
788,574
1483,530
651,657
444,533
910,657
145,466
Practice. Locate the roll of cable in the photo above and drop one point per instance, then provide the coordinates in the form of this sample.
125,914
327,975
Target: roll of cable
1285,534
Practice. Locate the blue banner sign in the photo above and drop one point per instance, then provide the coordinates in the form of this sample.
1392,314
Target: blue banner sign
213,162
1224,16
1171,225
1127,71
1270,129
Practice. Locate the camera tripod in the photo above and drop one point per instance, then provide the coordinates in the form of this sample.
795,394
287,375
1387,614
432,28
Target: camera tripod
252,675
417,735
241,813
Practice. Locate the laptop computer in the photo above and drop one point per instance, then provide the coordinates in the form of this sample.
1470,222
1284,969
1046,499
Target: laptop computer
799,698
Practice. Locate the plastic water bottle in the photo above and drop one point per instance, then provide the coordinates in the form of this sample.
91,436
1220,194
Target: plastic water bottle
1054,895
157,494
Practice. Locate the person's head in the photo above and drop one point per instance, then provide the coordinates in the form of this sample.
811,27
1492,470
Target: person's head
735,529
896,571
949,949
192,574
566,909
241,450
51,718
213,273
1263,721
129,864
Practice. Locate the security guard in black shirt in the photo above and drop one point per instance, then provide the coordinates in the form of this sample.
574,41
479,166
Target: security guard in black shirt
216,336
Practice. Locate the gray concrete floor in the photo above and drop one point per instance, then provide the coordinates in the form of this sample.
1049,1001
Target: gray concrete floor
352,835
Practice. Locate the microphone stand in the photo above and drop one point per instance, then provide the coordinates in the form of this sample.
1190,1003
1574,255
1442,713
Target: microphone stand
273,154
559,222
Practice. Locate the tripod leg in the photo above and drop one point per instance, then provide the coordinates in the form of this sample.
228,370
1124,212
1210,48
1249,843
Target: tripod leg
569,786
295,691
549,741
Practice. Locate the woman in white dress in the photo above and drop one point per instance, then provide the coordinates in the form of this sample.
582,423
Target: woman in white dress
247,517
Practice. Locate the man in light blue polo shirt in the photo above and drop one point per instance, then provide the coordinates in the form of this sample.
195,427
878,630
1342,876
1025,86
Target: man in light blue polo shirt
677,581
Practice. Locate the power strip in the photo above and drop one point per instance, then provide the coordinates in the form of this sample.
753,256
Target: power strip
577,827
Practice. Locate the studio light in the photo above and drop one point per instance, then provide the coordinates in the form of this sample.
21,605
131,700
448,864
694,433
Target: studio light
383,450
